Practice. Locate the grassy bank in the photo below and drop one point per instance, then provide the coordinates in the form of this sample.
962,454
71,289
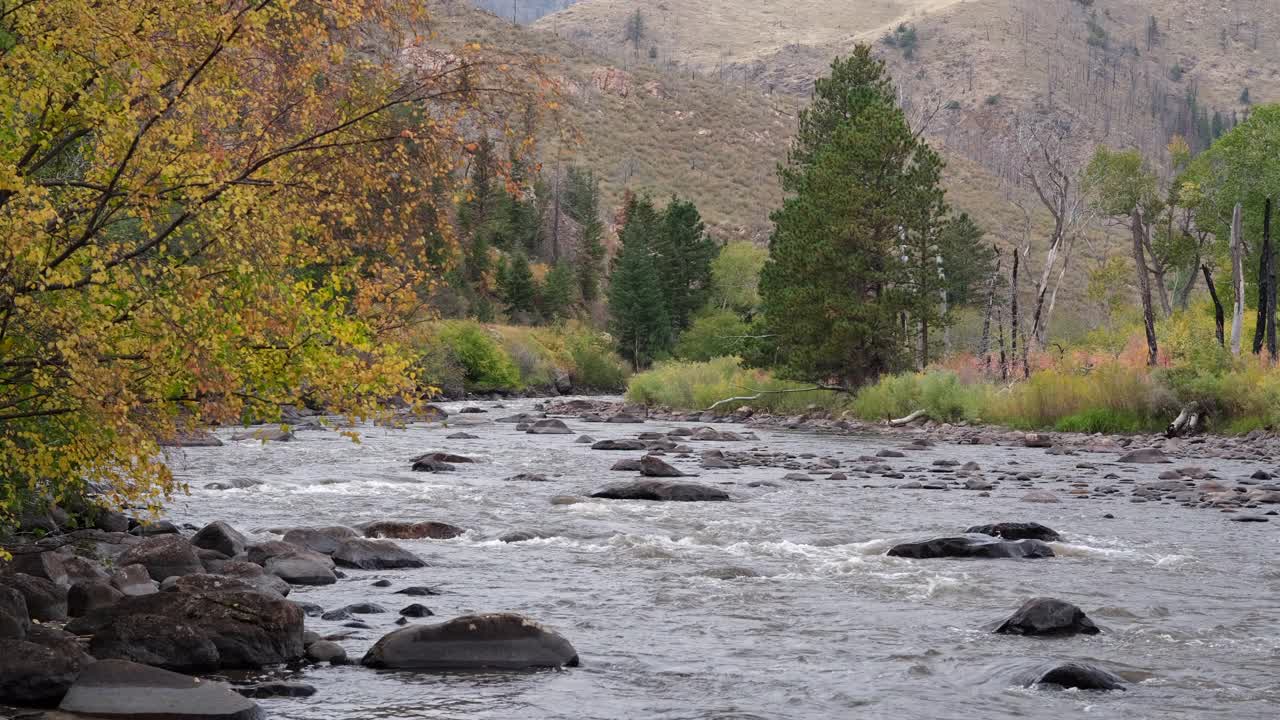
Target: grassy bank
462,356
1066,396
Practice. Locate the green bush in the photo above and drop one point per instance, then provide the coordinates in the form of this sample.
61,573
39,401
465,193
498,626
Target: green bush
699,385
487,368
713,334
595,365
941,394
1103,420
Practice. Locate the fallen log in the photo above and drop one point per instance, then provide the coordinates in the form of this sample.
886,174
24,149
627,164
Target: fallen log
1189,422
917,416
761,393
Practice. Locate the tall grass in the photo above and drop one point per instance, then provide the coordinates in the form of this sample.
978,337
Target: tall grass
699,385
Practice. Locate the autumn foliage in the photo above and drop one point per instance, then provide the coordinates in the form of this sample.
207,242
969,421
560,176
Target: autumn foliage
212,209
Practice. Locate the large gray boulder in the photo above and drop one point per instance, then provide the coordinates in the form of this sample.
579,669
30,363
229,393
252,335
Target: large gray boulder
661,490
375,555
15,621
133,580
320,539
972,546
38,669
1072,675
1016,531
220,536
400,530
164,556
302,568
46,600
651,466
202,622
1047,616
88,595
122,689
549,427
496,641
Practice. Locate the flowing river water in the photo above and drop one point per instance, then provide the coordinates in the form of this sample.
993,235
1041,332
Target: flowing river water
780,604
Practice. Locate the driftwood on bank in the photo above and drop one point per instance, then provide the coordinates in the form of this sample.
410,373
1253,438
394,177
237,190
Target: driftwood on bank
1189,422
917,416
761,393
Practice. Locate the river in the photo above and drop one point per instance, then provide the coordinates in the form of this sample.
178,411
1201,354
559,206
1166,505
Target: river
780,604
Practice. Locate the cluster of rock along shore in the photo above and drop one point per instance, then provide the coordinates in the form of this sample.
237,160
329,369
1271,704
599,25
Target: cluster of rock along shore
117,620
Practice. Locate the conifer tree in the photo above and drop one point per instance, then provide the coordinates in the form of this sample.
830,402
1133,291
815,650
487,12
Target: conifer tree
516,286
639,320
683,252
558,292
582,203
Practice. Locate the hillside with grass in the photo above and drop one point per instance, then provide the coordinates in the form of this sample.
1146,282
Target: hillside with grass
663,130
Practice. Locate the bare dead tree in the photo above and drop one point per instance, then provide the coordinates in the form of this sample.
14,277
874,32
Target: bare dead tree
1047,168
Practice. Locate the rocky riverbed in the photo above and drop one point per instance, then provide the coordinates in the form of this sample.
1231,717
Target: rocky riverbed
579,559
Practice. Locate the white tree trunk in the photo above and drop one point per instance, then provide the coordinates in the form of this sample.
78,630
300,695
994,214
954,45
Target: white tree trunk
1237,278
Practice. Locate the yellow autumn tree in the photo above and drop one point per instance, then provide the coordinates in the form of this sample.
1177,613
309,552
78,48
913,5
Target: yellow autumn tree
213,208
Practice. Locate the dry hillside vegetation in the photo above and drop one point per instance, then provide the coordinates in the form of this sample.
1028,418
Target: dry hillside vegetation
661,130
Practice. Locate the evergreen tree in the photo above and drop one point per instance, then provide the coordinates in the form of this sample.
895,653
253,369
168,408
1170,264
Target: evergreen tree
683,252
582,203
558,292
861,185
638,312
516,286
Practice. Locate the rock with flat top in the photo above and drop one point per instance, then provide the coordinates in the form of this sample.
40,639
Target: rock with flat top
503,641
123,689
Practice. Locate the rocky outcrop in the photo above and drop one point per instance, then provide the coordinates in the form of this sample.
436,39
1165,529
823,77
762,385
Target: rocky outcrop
1047,616
497,641
221,537
972,547
122,689
651,466
661,490
319,539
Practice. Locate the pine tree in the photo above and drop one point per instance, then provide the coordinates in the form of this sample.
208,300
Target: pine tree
517,287
639,320
860,185
582,203
558,292
683,252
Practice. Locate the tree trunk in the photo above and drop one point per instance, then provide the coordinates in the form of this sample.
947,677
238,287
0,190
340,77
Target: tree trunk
985,349
1004,359
1013,311
1138,227
1038,318
1264,273
1053,296
1269,254
1237,280
1158,274
1219,318
1183,298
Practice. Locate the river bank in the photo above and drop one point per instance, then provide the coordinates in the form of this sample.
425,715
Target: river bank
783,601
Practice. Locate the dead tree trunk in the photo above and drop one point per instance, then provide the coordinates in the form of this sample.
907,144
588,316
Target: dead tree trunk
1189,422
1138,227
1237,280
1269,255
1004,359
1219,318
1013,312
985,348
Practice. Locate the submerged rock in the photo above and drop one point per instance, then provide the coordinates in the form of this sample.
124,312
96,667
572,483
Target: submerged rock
1145,456
549,427
619,445
320,539
1047,616
661,490
428,530
972,547
122,689
527,477
1016,531
1078,676
502,641
627,465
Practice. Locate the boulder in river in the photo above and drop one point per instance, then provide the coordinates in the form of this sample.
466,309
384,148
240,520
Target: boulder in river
326,651
651,466
462,436
123,689
1047,616
304,567
429,530
503,641
221,537
375,555
433,466
627,465
164,556
661,490
320,539
619,445
1144,456
550,426
967,546
527,477
443,457
1073,675
1016,531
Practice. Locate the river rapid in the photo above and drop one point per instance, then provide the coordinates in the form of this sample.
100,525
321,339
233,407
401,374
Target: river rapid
779,604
